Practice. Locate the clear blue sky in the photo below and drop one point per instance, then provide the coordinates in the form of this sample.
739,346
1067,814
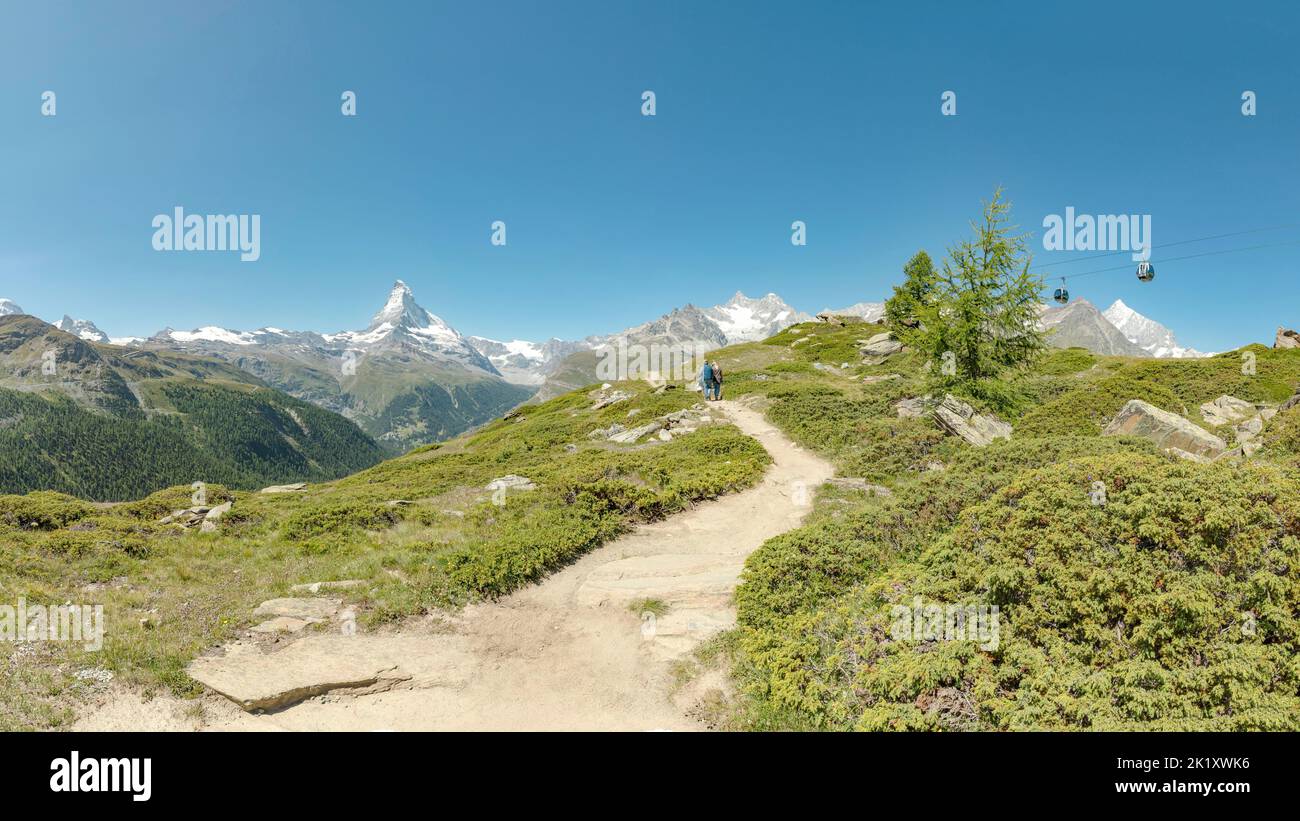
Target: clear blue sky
768,112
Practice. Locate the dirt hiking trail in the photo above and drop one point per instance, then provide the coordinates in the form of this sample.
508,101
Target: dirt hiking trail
565,654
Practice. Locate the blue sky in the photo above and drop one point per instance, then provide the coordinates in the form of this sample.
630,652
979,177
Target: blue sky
530,113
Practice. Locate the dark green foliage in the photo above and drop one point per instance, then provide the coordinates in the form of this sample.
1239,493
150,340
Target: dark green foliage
1173,606
1087,407
982,317
904,309
44,510
594,498
237,437
339,517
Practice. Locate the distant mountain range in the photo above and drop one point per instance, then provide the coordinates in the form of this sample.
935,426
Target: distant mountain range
558,366
1147,334
407,379
107,422
1118,331
869,311
410,378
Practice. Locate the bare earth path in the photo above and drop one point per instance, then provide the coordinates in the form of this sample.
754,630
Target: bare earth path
565,654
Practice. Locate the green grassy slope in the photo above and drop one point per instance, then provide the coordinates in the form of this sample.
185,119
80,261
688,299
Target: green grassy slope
1175,605
442,540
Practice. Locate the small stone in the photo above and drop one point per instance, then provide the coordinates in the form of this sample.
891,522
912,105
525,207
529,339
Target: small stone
913,408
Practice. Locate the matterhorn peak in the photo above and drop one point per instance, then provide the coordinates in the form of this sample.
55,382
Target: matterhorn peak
9,307
401,310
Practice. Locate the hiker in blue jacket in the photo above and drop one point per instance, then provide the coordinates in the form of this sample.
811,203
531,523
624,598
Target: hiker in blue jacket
706,380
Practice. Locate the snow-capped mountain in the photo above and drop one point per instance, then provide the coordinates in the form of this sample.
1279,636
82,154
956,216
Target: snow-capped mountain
523,362
1147,334
403,323
1080,325
408,378
740,319
83,328
748,320
8,307
869,311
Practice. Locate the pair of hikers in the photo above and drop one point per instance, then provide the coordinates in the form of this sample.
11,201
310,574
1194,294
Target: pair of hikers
711,380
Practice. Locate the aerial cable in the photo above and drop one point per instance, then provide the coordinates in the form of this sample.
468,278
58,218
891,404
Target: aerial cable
1167,245
1189,256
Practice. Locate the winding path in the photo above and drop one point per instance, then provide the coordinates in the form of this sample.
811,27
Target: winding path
566,654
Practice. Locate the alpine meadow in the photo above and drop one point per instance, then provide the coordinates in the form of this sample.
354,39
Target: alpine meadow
422,367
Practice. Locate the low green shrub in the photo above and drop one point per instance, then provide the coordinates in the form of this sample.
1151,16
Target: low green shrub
42,510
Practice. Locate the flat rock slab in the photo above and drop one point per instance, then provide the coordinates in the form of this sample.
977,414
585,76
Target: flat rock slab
960,419
1168,430
296,487
298,608
321,664
673,578
281,624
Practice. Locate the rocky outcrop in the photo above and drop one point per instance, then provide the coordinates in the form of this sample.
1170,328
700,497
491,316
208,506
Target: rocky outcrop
1168,430
1227,410
879,346
296,487
604,397
664,428
628,437
1247,419
1286,338
200,516
960,419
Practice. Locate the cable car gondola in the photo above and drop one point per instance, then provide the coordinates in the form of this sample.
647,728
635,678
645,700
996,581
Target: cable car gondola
1146,271
1062,294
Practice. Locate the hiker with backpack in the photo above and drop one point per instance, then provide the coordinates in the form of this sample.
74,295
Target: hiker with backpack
717,380
706,380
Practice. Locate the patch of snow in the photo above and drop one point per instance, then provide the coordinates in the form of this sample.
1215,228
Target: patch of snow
212,333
